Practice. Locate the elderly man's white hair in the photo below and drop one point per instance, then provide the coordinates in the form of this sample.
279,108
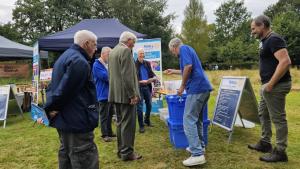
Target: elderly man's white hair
174,43
105,49
126,36
140,50
82,36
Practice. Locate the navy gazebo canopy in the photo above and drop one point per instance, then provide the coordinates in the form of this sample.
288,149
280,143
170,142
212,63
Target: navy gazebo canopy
108,32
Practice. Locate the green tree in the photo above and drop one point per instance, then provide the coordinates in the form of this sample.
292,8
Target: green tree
36,18
9,31
281,7
147,16
231,41
30,19
195,29
287,24
285,16
237,50
231,19
156,25
101,9
64,14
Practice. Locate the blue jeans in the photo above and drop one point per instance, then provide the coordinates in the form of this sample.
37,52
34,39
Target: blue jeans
145,95
192,121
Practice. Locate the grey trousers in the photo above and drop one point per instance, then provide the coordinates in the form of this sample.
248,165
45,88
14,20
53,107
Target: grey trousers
77,151
106,111
126,121
272,109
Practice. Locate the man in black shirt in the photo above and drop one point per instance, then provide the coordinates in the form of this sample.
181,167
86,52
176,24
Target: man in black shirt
274,63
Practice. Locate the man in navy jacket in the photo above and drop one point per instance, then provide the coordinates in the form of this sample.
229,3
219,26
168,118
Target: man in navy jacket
71,104
100,74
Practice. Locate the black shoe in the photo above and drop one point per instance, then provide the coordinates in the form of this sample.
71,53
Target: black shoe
261,146
275,156
142,130
112,135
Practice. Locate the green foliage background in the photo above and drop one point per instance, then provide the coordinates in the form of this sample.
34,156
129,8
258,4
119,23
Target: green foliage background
225,42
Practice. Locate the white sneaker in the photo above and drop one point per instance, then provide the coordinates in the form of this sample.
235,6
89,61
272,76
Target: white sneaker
192,161
189,150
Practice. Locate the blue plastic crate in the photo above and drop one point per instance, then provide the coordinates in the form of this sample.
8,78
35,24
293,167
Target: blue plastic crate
205,112
206,124
177,136
176,106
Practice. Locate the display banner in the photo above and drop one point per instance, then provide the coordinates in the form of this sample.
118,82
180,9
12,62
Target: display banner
152,48
35,73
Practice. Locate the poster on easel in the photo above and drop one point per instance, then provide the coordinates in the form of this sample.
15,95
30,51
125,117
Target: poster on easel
8,103
4,98
152,48
235,99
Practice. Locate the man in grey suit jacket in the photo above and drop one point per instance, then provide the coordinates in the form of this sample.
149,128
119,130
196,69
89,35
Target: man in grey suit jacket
124,93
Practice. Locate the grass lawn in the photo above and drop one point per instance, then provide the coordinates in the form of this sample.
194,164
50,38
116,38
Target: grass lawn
23,146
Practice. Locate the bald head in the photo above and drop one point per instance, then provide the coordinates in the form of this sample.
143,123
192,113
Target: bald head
87,40
141,54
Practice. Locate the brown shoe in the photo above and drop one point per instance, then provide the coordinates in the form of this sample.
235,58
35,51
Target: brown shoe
132,157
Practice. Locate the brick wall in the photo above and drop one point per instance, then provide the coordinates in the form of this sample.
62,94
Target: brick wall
14,70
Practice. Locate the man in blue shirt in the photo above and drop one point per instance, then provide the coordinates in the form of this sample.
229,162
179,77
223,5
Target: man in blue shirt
197,86
100,74
145,77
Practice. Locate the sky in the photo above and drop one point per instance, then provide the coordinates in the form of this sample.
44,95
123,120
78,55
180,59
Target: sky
256,7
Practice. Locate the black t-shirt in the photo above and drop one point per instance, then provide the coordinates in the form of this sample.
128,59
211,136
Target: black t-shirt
267,61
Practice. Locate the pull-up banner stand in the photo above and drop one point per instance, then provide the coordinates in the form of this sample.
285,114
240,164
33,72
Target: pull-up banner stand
8,102
235,97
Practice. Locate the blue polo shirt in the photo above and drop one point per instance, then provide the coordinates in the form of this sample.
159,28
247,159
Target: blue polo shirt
198,81
144,72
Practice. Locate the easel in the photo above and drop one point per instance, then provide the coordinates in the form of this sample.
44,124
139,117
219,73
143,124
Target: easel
235,97
8,96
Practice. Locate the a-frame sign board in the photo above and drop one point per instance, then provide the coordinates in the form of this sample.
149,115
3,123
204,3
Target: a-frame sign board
235,96
10,102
